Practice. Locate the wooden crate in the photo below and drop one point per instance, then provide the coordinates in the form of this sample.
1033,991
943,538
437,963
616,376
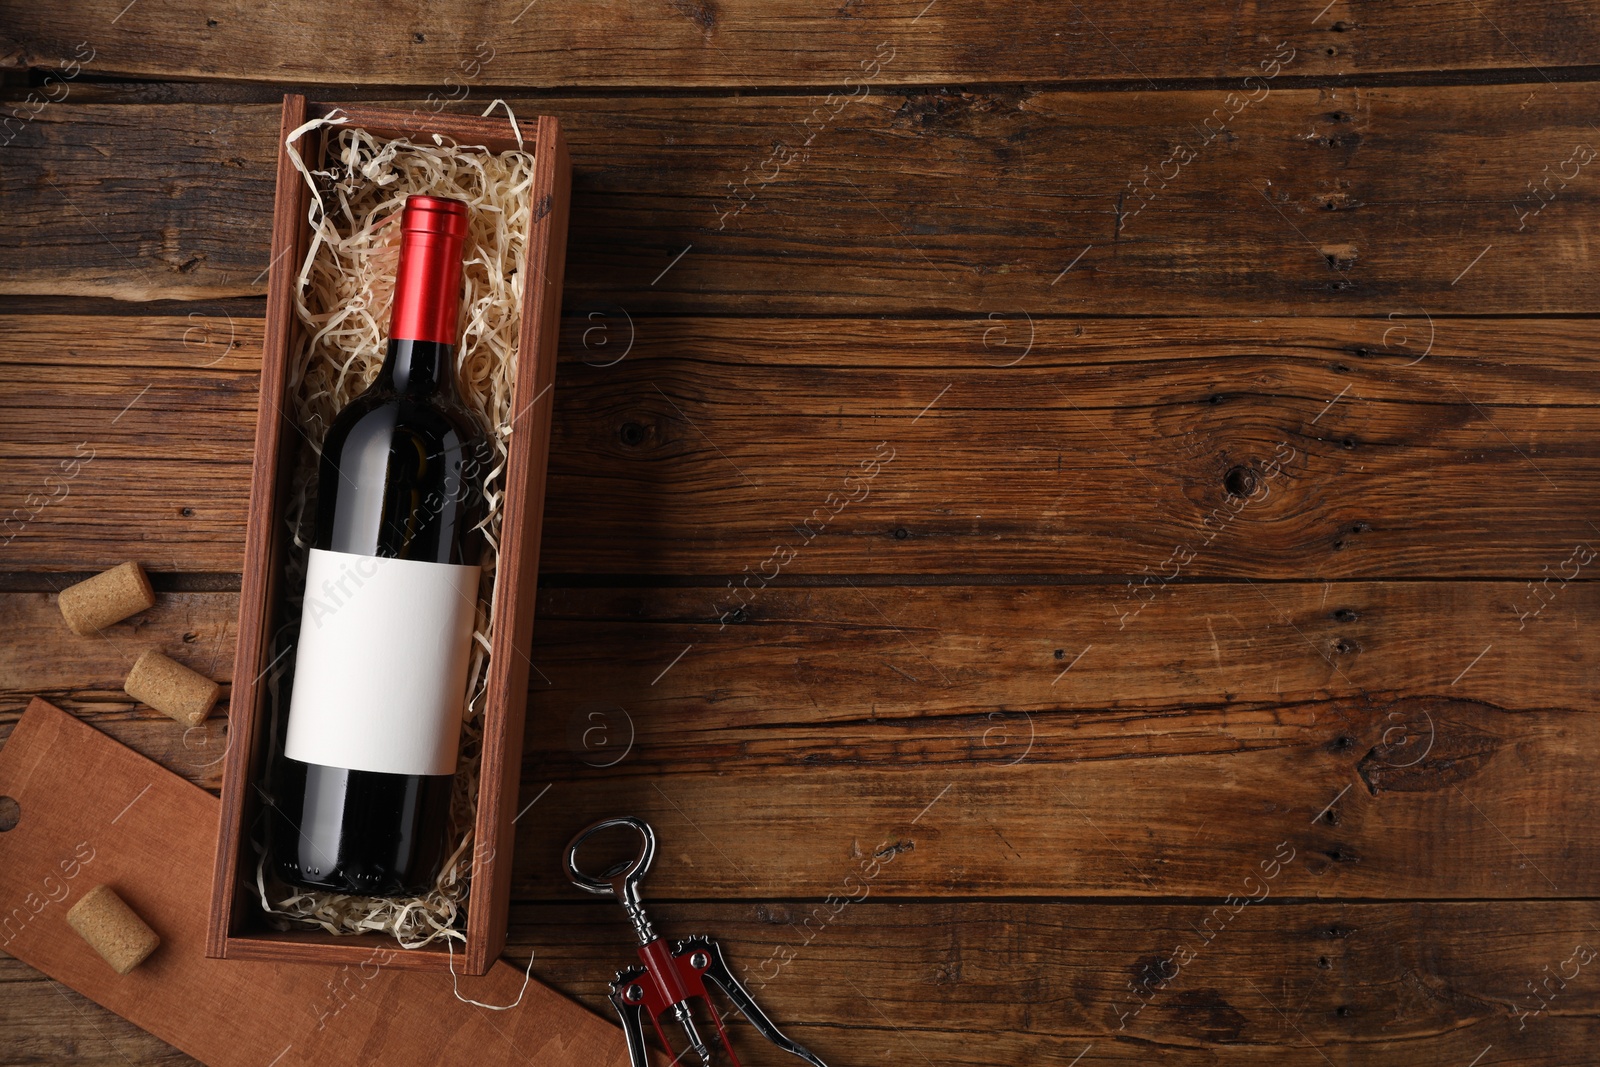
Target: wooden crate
238,929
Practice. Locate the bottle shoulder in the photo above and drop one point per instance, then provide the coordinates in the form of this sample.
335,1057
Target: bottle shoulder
375,415
402,475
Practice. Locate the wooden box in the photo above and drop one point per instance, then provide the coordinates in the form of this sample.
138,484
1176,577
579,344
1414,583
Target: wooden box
238,929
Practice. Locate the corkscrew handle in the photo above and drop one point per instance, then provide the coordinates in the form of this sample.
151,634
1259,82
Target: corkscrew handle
621,880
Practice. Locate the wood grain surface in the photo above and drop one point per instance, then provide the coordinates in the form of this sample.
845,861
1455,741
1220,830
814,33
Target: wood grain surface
782,42
1083,557
1365,723
1284,982
1003,445
1334,200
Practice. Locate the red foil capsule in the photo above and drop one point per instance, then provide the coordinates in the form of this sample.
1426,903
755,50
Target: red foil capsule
427,284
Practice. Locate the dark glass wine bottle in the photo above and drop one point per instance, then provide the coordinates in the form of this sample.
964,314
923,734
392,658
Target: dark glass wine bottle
361,800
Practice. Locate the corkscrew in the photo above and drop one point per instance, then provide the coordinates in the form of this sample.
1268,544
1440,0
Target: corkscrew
671,978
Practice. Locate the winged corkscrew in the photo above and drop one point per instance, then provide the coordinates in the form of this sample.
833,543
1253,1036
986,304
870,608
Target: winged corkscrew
670,978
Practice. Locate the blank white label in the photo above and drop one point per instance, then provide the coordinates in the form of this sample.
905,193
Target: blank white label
380,677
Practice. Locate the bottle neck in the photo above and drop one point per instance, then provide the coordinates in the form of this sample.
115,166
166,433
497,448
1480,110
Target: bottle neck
427,298
419,369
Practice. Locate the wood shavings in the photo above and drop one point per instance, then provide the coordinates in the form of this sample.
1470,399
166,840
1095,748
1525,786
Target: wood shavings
342,299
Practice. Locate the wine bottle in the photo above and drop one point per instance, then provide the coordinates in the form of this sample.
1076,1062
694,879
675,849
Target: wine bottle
362,793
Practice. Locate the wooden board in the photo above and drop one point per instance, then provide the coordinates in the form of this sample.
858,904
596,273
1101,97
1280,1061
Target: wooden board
785,42
1049,446
1410,741
945,722
150,835
165,493
1284,982
1325,200
956,983
39,653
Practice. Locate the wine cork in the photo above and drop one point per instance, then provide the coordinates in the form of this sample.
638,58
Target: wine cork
171,688
109,597
112,929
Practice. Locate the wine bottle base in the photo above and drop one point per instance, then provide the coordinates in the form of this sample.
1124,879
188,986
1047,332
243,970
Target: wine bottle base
364,833
355,883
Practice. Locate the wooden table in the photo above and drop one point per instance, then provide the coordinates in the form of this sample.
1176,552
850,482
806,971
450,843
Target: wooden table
1202,674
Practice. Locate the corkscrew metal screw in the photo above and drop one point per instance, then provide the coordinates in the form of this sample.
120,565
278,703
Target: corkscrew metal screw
670,978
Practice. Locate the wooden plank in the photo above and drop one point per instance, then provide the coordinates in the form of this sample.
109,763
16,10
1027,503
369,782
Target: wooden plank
127,438
765,43
979,983
1450,447
921,666
151,836
1140,820
1104,446
974,983
40,653
47,1023
1328,199
1370,724
84,675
